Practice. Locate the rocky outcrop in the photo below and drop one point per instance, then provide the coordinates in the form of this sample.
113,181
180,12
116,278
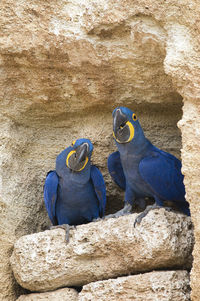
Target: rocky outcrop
64,67
102,250
162,286
190,125
63,294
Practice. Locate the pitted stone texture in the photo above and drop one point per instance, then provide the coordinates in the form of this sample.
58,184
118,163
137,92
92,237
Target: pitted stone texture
64,294
64,67
190,126
76,61
102,250
153,286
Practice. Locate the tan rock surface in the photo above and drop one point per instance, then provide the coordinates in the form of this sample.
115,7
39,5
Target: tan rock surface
27,153
64,67
153,286
63,294
190,126
102,250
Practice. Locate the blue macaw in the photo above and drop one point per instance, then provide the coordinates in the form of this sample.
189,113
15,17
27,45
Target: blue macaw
141,169
75,193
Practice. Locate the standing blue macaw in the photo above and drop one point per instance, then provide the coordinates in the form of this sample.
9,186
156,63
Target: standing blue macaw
75,193
141,169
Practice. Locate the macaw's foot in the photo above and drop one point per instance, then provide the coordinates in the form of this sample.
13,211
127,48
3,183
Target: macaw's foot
65,227
144,213
126,210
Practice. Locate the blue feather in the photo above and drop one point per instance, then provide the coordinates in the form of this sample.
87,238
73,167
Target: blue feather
100,189
163,173
50,195
116,170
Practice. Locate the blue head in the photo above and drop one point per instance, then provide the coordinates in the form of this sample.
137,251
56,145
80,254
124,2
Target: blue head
76,157
126,127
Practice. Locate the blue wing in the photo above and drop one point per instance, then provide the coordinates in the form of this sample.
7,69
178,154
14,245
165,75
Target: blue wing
100,188
116,170
50,195
162,171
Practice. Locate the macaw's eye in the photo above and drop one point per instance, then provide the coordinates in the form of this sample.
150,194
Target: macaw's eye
134,117
73,142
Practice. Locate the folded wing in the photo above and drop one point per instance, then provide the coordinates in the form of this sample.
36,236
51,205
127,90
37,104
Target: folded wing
116,170
100,188
50,195
162,171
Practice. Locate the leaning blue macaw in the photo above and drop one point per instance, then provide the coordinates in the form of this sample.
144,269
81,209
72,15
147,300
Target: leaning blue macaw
141,169
75,193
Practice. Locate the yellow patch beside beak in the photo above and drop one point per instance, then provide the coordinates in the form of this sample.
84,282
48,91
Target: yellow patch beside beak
70,154
132,131
116,138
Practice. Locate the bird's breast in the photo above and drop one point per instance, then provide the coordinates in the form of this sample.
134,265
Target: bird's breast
71,195
130,166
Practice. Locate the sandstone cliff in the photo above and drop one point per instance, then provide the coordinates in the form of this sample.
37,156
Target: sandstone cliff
64,67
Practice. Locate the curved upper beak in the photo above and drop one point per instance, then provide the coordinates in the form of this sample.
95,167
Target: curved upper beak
82,152
119,119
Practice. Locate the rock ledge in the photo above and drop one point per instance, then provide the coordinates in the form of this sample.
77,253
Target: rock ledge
162,286
102,250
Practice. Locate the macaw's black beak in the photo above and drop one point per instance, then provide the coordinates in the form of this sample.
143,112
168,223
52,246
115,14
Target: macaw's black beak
82,152
119,120
120,128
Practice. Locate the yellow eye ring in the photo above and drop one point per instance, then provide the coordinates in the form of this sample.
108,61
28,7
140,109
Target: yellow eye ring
73,142
134,117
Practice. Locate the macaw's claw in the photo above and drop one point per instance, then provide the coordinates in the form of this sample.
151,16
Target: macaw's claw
145,212
126,210
65,227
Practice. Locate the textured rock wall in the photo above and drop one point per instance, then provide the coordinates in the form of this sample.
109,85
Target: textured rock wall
64,67
190,126
162,286
63,294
